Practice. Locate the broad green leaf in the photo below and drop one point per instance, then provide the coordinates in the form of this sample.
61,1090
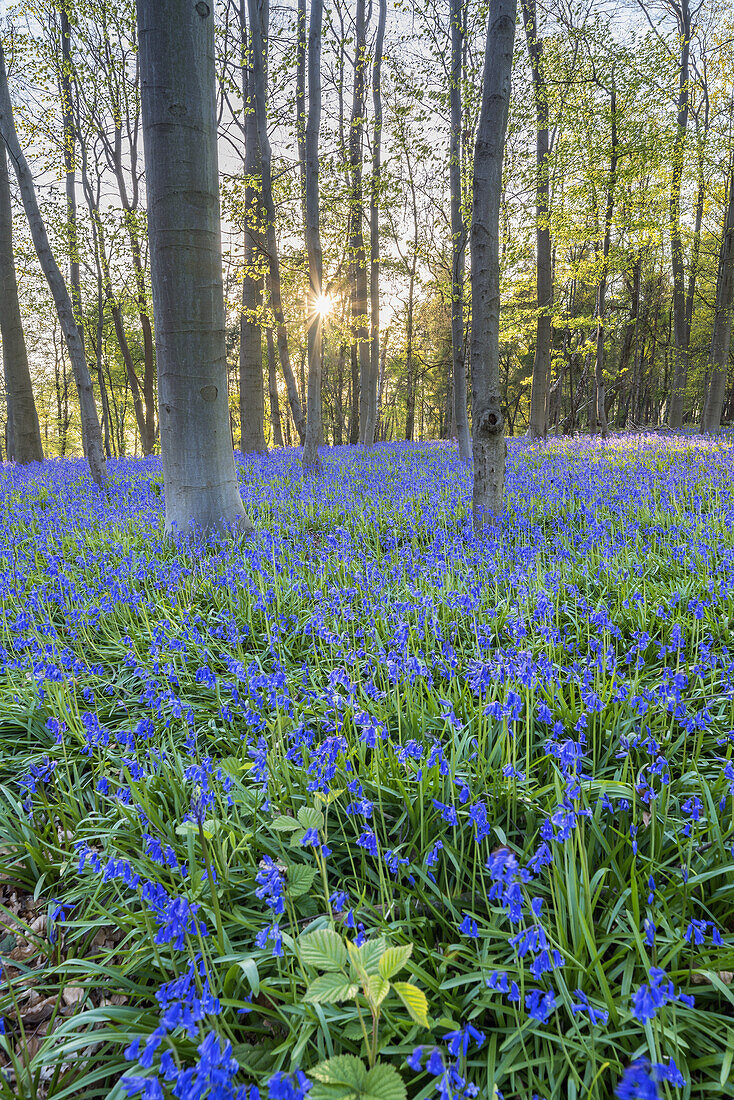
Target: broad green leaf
331,989
344,1069
366,959
323,949
284,824
299,879
310,817
378,988
383,1082
394,959
414,1000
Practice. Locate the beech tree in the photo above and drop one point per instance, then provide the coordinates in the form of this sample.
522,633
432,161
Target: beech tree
724,310
23,436
91,431
311,459
458,231
180,137
488,440
543,252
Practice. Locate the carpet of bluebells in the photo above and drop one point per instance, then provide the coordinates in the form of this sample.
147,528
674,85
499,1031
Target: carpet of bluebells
365,807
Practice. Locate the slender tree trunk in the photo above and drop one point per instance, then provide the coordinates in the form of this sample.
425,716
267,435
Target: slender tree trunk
271,240
301,100
360,333
273,390
98,235
680,369
311,459
23,434
721,335
91,433
458,233
409,368
252,396
375,227
99,351
180,132
600,416
488,441
543,254
354,396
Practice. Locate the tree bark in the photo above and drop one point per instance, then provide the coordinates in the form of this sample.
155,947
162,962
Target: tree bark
91,432
488,442
543,253
600,416
458,233
271,240
721,335
358,260
680,368
252,395
180,133
23,435
273,390
375,226
311,459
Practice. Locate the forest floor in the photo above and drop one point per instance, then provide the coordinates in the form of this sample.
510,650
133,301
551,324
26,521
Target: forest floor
364,806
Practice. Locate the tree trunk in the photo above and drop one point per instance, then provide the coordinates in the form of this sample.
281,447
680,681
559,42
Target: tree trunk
271,240
252,395
680,370
273,390
543,254
358,261
180,133
375,227
311,459
458,234
721,335
24,434
488,442
600,415
91,432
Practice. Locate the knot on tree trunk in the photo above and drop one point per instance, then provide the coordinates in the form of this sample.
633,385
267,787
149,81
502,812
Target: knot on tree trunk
490,421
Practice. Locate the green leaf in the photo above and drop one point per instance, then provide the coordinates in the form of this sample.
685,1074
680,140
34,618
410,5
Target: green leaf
414,1000
377,989
383,1082
299,879
323,949
347,1078
310,817
249,969
366,959
283,824
331,989
394,959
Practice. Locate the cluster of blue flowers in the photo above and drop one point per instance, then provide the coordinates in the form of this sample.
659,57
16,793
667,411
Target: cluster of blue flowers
515,750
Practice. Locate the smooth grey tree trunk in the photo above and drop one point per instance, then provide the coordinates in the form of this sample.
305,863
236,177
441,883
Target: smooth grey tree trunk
358,260
252,395
23,435
372,409
680,334
600,413
271,240
91,431
721,335
488,440
543,251
311,459
273,390
176,42
458,234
